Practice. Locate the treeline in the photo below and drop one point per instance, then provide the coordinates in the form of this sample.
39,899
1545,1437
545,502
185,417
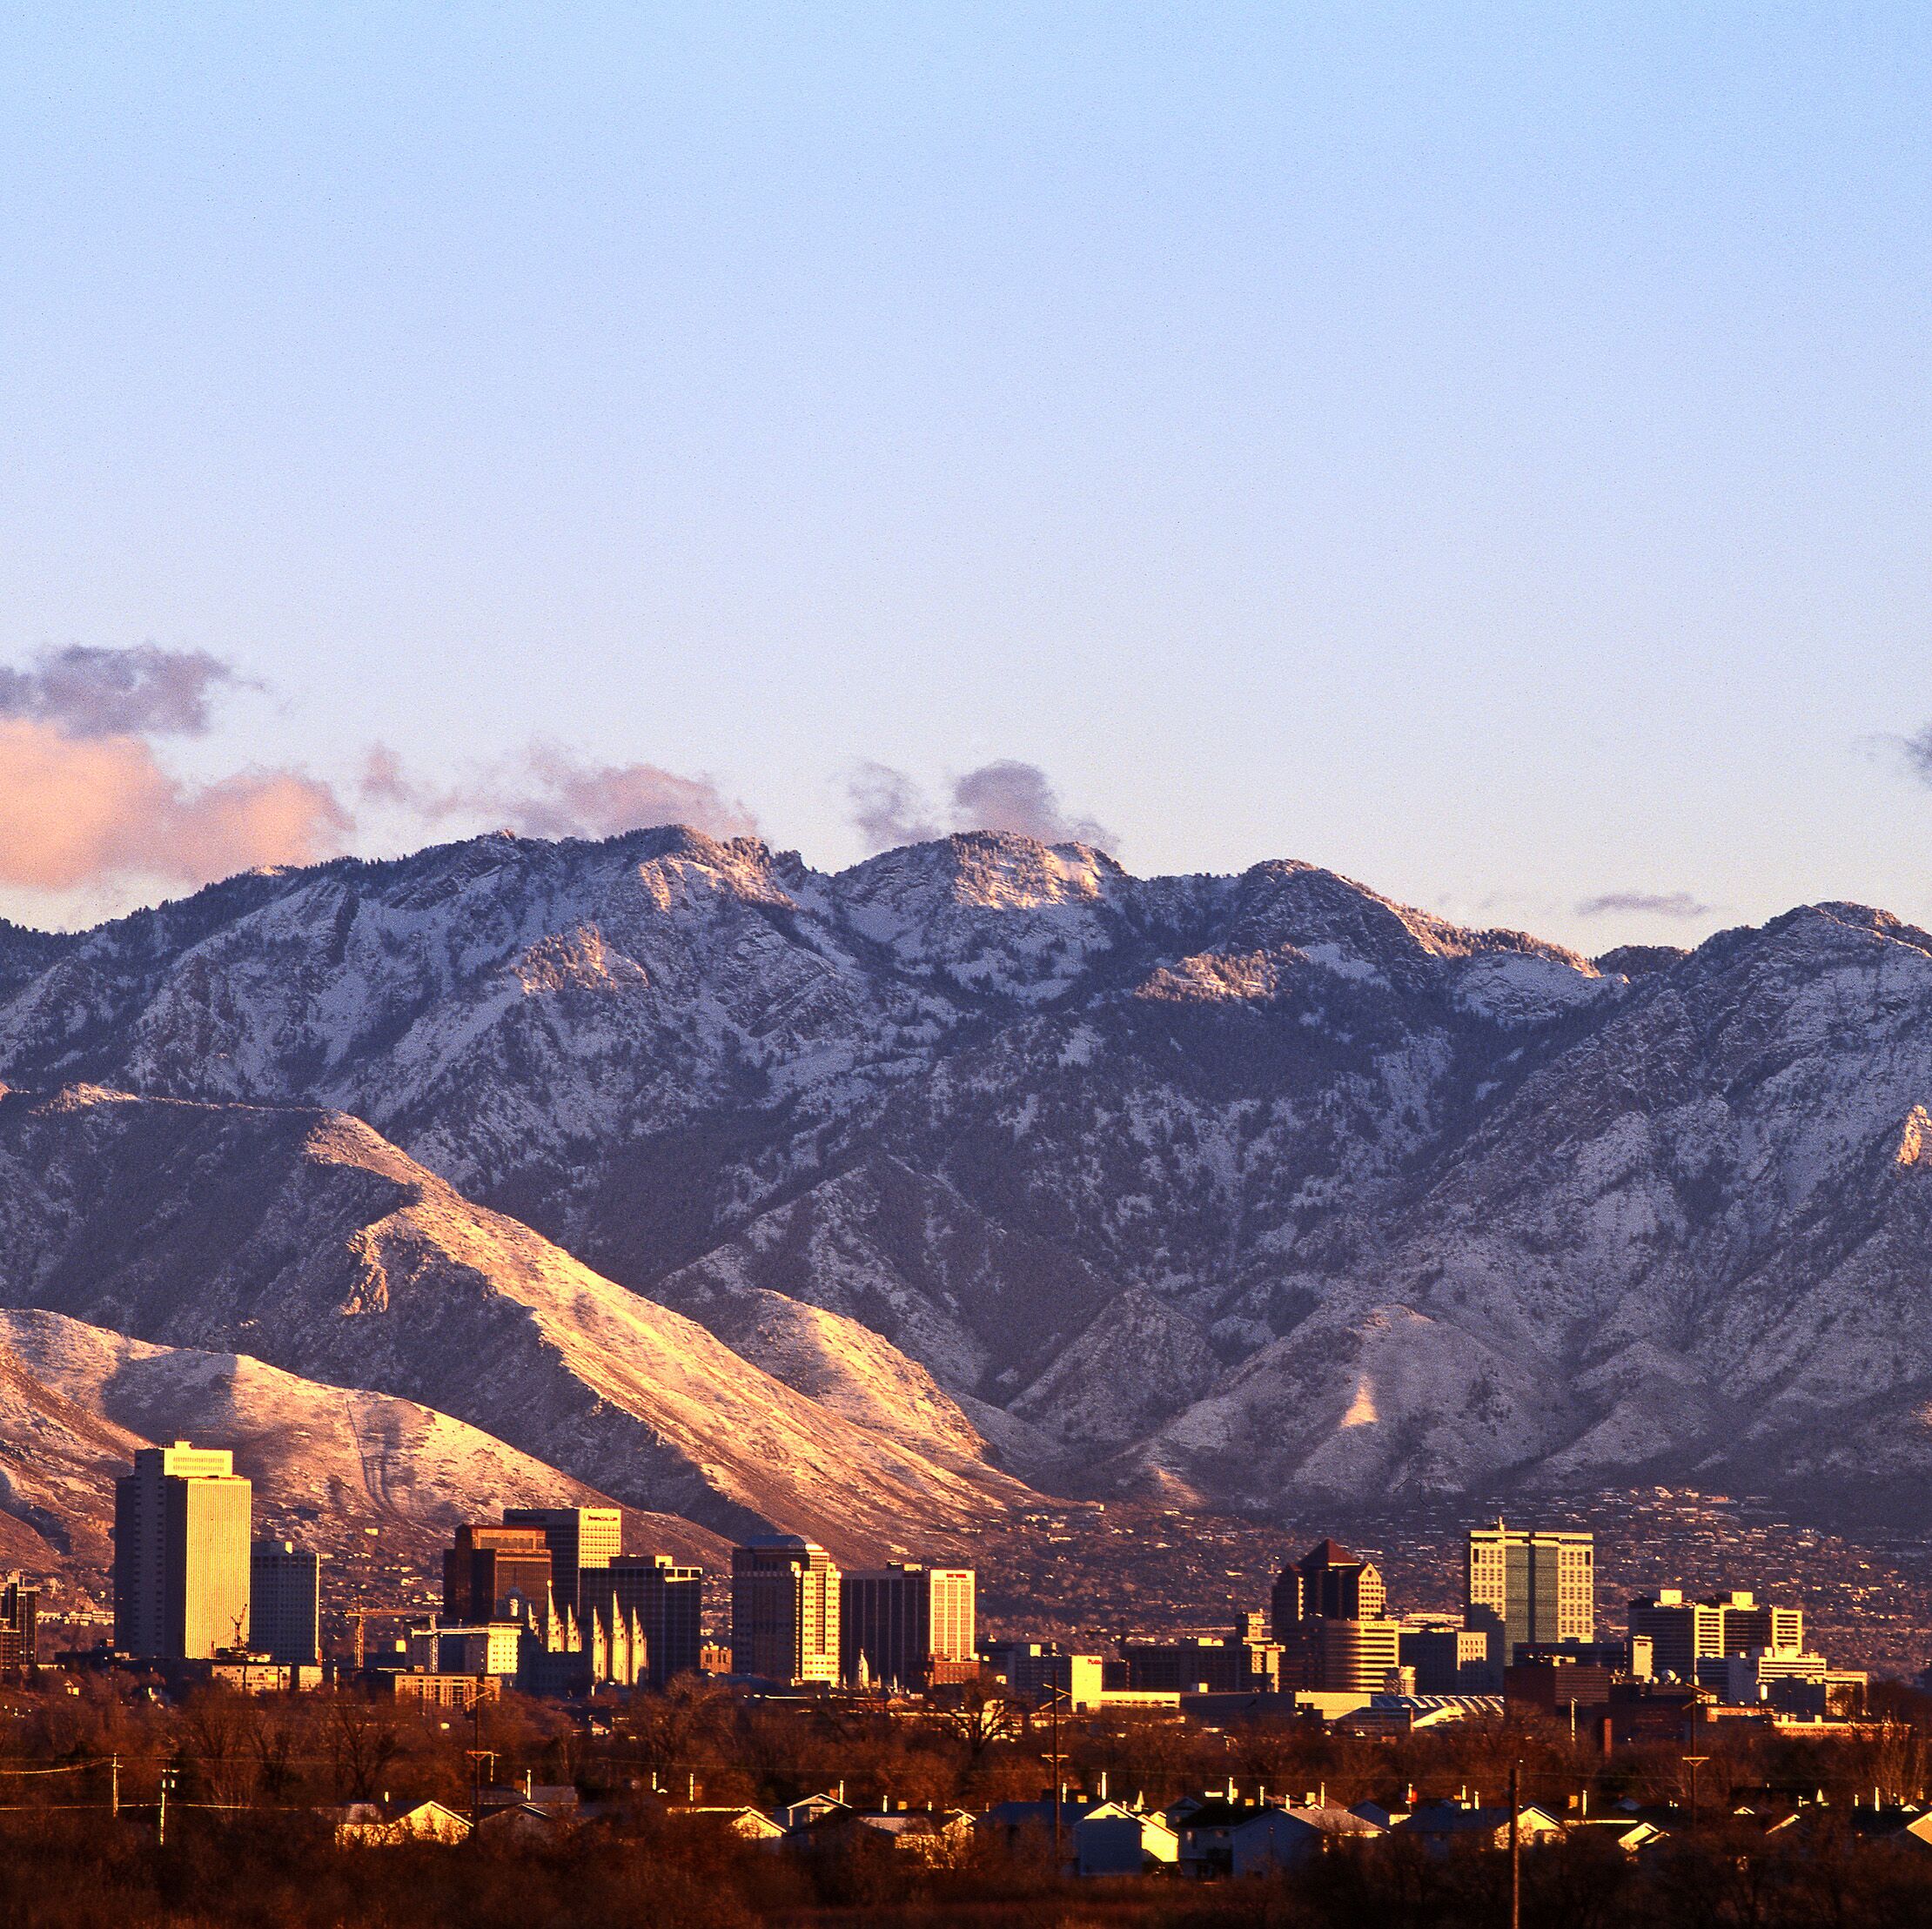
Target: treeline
699,1741
250,1840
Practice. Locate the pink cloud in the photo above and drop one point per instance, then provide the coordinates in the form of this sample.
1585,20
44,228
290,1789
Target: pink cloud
79,810
1005,795
550,793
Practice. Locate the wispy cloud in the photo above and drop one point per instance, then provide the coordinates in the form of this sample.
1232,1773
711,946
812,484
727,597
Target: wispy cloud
1916,750
1656,904
568,798
144,691
85,802
1012,796
550,791
889,808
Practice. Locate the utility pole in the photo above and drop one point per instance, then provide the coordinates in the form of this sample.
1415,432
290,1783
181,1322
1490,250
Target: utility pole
1516,1846
114,1787
478,1757
1694,1763
161,1823
1054,1697
478,1754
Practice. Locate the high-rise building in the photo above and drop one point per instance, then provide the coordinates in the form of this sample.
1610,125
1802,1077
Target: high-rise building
1748,1625
1328,1583
578,1538
19,1625
1348,1657
784,1610
1328,1613
1683,1633
285,1604
1527,1587
666,1599
497,1574
901,1619
181,1543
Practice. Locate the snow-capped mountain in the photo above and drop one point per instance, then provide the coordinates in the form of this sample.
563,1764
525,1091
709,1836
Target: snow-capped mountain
997,1157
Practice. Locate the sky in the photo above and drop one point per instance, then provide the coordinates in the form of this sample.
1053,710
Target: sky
1480,448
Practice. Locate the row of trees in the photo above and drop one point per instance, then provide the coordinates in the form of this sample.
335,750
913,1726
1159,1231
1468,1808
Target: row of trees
249,1839
237,1752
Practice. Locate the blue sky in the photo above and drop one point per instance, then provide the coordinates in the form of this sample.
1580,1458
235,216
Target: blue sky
1481,448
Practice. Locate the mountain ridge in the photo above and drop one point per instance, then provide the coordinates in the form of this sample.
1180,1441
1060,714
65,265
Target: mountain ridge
949,1142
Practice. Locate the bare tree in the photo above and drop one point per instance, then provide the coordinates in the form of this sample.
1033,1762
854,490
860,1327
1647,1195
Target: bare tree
362,1742
980,1718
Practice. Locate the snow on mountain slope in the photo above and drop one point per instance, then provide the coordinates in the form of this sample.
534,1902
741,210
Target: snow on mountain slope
1354,1403
913,1259
1243,1185
1704,1226
328,1462
58,1462
306,1239
1137,1363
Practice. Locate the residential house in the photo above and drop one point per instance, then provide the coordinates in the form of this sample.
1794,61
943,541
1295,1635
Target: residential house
1111,1839
1224,1837
381,1825
1438,1826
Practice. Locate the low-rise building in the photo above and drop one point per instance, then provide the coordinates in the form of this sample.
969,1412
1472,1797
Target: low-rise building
379,1825
436,1689
1386,1717
1448,1659
1210,1664
489,1647
1225,1837
1111,1839
751,1825
1792,1682
1034,1670
1438,1826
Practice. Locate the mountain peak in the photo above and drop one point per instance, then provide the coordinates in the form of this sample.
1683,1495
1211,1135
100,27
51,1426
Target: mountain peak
991,870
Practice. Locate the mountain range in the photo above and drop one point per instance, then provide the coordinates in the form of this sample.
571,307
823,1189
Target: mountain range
871,1203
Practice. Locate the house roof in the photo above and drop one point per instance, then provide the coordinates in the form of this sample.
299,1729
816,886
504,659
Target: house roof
1333,1821
1219,1814
1450,1818
1019,1814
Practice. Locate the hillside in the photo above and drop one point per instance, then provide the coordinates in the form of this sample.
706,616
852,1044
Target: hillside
307,1239
331,1465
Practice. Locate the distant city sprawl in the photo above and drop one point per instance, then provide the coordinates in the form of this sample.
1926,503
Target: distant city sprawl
570,1711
